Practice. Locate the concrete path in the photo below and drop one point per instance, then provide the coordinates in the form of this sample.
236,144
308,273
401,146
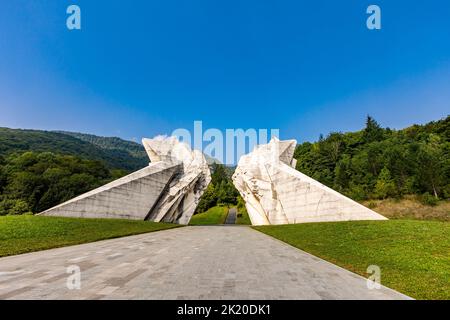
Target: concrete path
223,262
232,215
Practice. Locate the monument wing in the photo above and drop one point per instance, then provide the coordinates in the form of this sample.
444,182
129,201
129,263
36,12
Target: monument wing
276,193
168,189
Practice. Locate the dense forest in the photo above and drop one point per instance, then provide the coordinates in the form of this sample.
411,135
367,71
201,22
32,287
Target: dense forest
33,182
377,163
114,152
40,169
129,148
221,190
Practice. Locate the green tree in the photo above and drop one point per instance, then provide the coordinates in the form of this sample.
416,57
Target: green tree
221,190
19,207
219,174
208,199
43,180
2,177
342,175
385,186
227,193
373,131
430,171
400,165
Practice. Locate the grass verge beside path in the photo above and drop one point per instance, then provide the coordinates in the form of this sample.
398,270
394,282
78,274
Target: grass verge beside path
414,256
214,215
22,234
242,217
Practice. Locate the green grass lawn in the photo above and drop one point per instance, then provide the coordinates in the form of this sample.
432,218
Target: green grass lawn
214,215
414,256
243,217
22,234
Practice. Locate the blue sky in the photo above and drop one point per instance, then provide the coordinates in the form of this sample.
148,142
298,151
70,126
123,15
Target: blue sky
142,68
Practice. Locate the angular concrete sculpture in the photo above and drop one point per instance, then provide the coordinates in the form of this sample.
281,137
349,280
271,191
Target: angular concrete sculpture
276,193
180,199
168,190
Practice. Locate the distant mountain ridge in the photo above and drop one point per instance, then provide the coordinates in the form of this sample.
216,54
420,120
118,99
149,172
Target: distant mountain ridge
135,149
114,152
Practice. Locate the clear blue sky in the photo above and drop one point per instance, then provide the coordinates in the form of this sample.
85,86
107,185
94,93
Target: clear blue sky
141,68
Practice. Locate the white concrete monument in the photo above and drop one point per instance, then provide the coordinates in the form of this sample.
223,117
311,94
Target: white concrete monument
180,199
168,190
276,193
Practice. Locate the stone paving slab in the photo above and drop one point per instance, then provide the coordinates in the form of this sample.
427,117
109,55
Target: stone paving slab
201,262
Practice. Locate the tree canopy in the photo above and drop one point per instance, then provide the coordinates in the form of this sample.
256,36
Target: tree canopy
34,182
114,152
377,162
221,190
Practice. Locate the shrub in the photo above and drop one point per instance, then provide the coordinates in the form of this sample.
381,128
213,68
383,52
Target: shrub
20,207
372,205
13,207
357,192
385,186
446,191
428,199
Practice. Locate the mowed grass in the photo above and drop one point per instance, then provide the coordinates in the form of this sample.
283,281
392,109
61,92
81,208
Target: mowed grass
214,215
22,234
414,256
242,217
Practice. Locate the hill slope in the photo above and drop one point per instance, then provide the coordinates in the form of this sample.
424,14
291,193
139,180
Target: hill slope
379,163
111,143
114,152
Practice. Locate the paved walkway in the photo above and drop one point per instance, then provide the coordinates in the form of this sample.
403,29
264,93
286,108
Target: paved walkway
223,262
232,215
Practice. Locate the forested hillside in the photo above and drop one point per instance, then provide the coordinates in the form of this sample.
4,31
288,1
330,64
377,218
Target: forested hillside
40,169
122,149
114,152
34,182
377,162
